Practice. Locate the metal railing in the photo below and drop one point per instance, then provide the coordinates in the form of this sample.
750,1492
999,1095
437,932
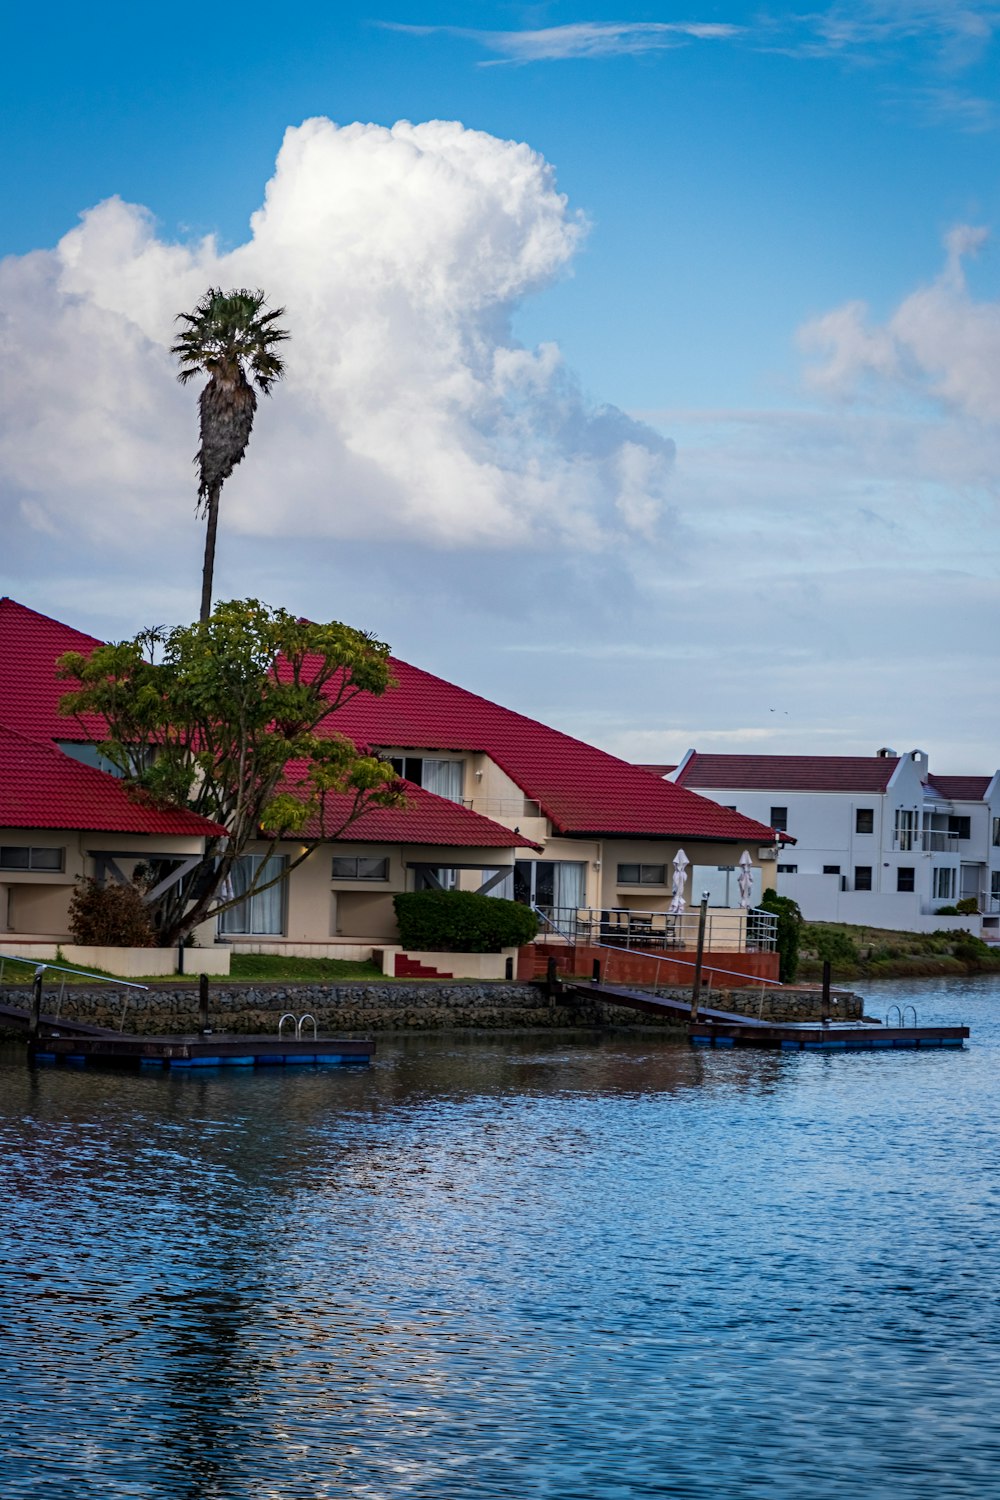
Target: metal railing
936,841
504,807
732,931
40,967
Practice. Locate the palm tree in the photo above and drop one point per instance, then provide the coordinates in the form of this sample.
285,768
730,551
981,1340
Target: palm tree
230,338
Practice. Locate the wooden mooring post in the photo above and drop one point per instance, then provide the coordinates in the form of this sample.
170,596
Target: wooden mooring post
699,955
826,992
35,1019
203,1025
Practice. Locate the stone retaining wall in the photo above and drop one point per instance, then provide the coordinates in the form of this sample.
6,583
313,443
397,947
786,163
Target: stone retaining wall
362,1008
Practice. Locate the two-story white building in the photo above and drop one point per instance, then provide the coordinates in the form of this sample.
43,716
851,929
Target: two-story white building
879,840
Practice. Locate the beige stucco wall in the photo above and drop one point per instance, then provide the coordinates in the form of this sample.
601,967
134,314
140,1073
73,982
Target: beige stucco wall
317,907
38,901
662,852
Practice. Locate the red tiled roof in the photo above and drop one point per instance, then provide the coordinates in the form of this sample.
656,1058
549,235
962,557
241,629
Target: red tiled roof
428,819
961,788
790,773
655,770
582,790
30,645
40,787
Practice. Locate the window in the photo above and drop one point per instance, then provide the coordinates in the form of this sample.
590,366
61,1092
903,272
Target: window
831,869
959,828
904,828
905,878
445,778
550,882
862,877
779,818
996,833
642,874
944,883
20,857
359,867
864,820
788,869
263,914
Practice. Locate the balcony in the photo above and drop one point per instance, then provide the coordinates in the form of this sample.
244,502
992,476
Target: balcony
726,930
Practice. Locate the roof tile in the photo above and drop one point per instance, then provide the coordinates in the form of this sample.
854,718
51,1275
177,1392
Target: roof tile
869,774
40,787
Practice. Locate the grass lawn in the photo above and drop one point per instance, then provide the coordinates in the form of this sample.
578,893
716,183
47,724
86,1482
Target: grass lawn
276,967
271,968
873,952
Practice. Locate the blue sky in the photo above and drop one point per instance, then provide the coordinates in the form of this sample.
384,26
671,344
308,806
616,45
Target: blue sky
753,262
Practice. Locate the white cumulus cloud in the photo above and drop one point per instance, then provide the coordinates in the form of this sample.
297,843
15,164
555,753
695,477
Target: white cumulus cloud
941,342
408,411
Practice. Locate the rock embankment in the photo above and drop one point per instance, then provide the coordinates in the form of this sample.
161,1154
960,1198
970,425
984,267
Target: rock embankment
363,1008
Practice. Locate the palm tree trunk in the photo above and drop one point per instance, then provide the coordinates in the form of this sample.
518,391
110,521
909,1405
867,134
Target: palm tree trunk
212,513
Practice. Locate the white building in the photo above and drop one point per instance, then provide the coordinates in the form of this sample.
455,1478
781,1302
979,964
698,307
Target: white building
879,840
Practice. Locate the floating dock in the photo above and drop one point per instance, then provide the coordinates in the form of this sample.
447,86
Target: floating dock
724,1028
216,1050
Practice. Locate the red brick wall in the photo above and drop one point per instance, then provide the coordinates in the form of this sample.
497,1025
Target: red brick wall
622,966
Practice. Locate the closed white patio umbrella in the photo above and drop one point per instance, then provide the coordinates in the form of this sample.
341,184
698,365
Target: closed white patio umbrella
681,863
745,880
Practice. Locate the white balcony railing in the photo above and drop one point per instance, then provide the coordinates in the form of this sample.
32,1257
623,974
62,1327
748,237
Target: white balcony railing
733,930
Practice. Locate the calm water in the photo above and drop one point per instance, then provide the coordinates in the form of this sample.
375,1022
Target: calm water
583,1269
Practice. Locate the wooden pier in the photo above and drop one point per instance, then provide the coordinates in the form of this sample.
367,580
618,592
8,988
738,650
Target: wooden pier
215,1050
723,1028
52,1039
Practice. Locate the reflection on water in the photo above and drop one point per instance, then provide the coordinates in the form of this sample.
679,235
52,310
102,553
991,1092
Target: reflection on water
509,1267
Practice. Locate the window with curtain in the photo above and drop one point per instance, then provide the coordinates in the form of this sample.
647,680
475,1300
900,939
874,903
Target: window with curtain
263,915
444,778
569,883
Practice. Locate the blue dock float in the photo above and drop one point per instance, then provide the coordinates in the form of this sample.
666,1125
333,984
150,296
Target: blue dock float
726,1028
198,1051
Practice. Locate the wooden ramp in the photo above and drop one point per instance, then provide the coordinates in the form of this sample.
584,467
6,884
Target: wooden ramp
721,1028
15,1015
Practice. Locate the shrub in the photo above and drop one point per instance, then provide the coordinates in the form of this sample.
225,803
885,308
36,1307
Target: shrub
462,922
109,916
968,906
789,931
833,946
970,949
946,911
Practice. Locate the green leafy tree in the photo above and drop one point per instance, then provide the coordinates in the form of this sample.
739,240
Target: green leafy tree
231,719
789,932
231,339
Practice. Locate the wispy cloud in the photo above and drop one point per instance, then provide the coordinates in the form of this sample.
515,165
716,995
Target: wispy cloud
959,33
935,42
581,38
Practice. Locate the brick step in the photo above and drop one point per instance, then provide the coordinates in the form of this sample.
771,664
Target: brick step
412,968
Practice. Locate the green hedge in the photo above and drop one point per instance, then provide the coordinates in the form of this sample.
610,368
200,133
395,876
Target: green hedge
789,932
462,922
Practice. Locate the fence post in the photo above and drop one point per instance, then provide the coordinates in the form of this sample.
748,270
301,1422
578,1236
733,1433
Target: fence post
35,1019
699,954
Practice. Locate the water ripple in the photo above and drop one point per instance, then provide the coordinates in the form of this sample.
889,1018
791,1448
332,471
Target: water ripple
585,1269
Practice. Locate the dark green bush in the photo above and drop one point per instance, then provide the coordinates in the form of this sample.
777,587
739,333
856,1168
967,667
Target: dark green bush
828,943
109,916
968,906
462,922
970,949
946,911
789,931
